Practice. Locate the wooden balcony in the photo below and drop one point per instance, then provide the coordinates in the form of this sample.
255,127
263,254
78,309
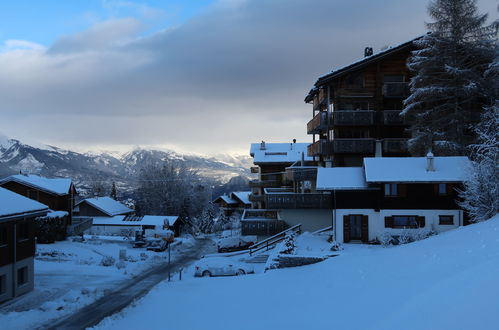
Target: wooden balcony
394,146
354,117
257,183
353,146
284,199
396,89
318,124
301,173
393,117
255,198
321,147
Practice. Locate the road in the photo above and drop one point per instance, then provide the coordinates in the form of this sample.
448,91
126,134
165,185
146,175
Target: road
131,290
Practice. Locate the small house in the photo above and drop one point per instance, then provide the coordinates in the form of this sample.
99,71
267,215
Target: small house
17,243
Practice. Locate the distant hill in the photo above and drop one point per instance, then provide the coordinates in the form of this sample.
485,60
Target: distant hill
86,169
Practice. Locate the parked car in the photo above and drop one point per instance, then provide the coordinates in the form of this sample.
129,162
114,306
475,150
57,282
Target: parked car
208,267
238,243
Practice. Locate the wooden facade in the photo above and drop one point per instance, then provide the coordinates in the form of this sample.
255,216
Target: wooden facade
356,110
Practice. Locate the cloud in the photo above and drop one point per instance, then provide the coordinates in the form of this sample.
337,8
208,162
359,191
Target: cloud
235,74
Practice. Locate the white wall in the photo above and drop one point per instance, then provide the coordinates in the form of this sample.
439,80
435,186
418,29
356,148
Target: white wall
106,230
376,220
310,219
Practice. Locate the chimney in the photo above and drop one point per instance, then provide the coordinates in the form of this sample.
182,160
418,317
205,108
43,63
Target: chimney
294,140
430,162
302,162
368,51
262,145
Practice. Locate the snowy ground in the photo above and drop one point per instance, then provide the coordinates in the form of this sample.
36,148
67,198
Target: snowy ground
69,275
447,281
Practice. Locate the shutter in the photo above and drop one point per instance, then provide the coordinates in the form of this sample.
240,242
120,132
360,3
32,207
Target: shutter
421,222
365,229
388,222
402,190
346,229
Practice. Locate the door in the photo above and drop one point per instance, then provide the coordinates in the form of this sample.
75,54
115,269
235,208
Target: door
355,227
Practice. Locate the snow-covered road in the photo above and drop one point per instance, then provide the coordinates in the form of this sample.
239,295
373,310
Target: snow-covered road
130,290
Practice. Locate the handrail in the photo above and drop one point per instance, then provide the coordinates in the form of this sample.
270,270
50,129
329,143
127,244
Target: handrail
266,243
323,230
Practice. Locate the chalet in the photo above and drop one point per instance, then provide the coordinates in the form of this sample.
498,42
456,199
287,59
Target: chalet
101,207
111,217
356,109
270,160
57,193
393,194
17,243
235,202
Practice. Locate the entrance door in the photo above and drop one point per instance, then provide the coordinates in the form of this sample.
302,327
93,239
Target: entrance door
355,227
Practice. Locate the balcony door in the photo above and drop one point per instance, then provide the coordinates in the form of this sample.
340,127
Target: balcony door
355,228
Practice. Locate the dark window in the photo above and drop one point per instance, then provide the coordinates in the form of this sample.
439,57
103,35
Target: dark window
446,219
388,78
354,80
23,229
3,284
3,235
391,189
404,221
22,276
442,189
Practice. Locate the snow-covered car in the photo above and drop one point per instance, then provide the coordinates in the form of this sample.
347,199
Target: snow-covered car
221,267
237,243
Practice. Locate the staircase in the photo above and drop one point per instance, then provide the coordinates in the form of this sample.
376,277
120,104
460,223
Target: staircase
257,259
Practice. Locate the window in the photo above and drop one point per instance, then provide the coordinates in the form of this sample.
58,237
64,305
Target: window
404,221
388,78
22,276
3,284
391,189
23,231
445,219
442,189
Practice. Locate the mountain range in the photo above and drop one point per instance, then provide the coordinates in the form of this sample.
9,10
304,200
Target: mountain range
88,169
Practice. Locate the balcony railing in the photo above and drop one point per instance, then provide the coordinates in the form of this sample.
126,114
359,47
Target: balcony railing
301,173
396,89
354,117
318,123
321,147
285,199
394,146
264,183
353,146
255,198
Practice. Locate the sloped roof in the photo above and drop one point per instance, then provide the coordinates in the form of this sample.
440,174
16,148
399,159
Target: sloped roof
224,198
57,186
341,178
242,196
107,205
12,204
358,64
413,169
148,220
286,153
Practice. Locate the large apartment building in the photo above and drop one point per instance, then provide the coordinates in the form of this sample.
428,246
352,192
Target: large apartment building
356,109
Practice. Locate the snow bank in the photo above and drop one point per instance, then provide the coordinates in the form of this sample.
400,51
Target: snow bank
447,281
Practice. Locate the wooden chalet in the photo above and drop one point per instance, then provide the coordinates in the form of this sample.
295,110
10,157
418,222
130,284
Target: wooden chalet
356,109
17,243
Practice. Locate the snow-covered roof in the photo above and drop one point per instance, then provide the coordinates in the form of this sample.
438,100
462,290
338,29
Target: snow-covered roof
57,186
413,169
225,198
107,205
242,196
14,204
341,178
146,220
287,153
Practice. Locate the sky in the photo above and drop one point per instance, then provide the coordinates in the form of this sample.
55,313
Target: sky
197,76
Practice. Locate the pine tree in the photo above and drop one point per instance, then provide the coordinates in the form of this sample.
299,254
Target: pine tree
481,195
447,91
113,191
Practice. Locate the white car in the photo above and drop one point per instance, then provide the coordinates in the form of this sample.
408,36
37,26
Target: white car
221,267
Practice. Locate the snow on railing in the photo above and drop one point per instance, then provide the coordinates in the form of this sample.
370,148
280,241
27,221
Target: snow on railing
273,240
